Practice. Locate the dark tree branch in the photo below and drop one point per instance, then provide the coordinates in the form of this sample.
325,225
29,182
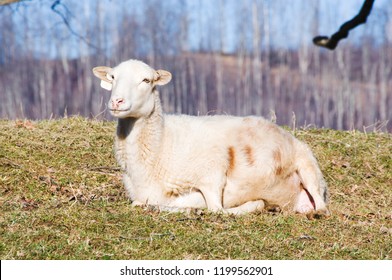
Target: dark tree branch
7,2
64,15
360,18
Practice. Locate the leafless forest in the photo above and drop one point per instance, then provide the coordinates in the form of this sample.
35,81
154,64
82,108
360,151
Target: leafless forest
230,57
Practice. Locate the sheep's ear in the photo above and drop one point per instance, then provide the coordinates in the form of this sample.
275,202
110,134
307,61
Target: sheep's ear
162,77
103,73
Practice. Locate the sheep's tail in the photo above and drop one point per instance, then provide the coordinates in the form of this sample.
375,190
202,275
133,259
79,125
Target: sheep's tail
311,178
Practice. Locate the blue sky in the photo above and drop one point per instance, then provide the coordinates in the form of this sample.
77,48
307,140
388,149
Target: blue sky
290,22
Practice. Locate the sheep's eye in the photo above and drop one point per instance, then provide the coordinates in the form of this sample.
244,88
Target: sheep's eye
146,81
110,77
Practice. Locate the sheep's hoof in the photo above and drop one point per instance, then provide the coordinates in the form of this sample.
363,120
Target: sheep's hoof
195,211
273,209
318,214
137,204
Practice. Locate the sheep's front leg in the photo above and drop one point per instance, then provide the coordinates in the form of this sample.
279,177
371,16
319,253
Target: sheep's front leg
160,208
212,189
247,207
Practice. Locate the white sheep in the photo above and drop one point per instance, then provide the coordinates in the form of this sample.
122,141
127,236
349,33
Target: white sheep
223,163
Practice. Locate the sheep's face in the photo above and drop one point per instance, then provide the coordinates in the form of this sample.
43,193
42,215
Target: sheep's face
132,83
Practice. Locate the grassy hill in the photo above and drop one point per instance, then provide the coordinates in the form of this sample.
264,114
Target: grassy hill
61,197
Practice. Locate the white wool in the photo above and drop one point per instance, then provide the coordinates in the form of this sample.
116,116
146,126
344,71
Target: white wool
225,163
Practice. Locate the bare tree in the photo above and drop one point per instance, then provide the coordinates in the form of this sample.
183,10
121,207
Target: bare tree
331,43
249,75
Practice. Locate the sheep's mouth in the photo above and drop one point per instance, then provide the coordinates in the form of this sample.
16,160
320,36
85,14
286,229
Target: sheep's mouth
119,110
113,110
120,113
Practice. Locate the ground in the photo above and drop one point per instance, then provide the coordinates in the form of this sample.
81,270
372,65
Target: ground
61,197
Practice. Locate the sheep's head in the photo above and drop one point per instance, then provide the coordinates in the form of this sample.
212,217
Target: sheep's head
132,84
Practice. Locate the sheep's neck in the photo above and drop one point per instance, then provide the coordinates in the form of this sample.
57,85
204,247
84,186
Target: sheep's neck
140,138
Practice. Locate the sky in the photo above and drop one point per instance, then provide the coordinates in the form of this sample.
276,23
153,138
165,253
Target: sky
278,16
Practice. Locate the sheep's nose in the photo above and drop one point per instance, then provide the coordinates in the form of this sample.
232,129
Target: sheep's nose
117,102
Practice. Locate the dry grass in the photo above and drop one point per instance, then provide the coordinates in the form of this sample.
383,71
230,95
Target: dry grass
61,197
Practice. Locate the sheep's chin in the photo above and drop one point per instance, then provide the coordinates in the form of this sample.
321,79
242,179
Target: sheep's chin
121,114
